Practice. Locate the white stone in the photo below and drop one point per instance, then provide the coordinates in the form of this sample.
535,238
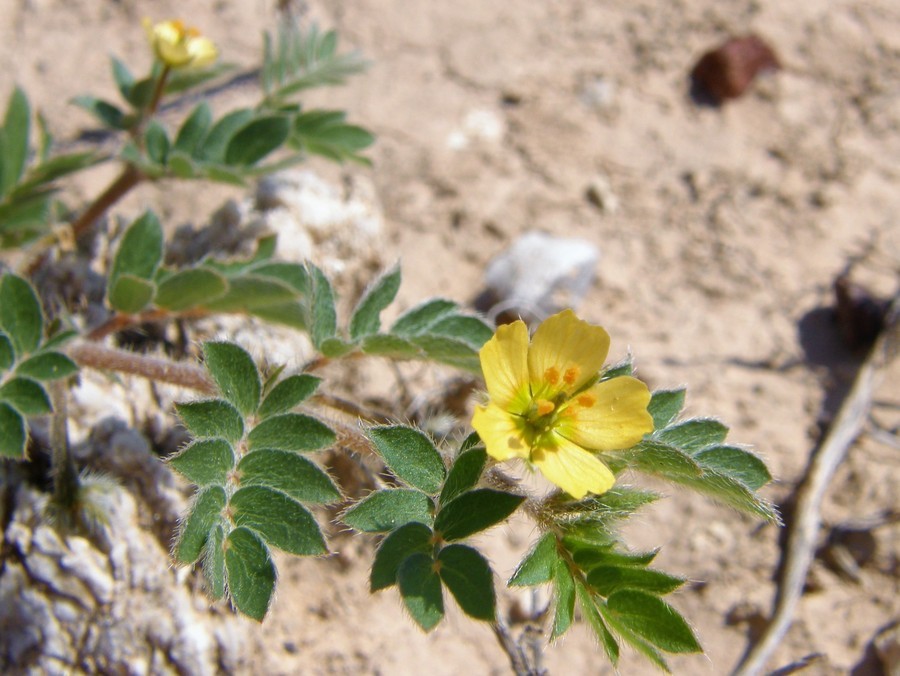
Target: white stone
542,274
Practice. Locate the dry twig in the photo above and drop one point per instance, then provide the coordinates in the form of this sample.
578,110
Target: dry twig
803,530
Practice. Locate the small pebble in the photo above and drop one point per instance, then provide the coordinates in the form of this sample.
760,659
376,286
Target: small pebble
728,70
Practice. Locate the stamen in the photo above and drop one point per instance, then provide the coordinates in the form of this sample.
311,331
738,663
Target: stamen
544,406
586,400
551,375
571,375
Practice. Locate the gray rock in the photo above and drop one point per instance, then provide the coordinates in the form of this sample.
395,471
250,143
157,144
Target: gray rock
539,275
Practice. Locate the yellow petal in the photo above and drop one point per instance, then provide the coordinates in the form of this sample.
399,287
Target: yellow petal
504,361
610,415
202,51
573,469
501,432
565,353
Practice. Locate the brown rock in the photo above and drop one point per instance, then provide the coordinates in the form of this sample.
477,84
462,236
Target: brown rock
726,71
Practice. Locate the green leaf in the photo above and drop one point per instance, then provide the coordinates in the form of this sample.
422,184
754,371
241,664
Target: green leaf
288,393
15,134
564,597
21,317
7,353
470,330
325,133
251,573
223,174
304,58
449,351
122,76
464,474
411,455
214,562
106,113
26,396
694,435
590,613
257,139
219,137
182,79
387,345
623,368
663,460
291,432
366,317
130,294
205,462
288,314
323,324
189,288
60,338
249,293
12,433
212,418
651,618
385,510
607,580
469,578
616,504
47,366
420,588
142,92
474,512
735,463
395,549
235,374
630,637
664,406
731,492
591,557
140,250
280,520
194,129
289,473
417,320
204,513
182,166
335,347
538,565
157,143
292,274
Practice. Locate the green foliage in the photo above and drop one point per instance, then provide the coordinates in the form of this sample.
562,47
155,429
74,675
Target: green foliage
297,60
692,453
384,510
420,589
252,481
411,455
27,361
28,179
247,456
475,511
403,542
417,557
468,576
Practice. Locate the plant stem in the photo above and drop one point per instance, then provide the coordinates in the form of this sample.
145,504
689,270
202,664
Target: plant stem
157,369
129,178
65,477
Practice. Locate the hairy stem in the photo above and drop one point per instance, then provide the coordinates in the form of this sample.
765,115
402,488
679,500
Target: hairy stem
65,477
157,369
127,180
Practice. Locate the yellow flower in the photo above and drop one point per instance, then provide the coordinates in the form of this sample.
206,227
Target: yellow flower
179,46
546,406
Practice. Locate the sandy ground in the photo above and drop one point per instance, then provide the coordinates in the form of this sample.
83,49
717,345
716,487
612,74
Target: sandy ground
729,225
